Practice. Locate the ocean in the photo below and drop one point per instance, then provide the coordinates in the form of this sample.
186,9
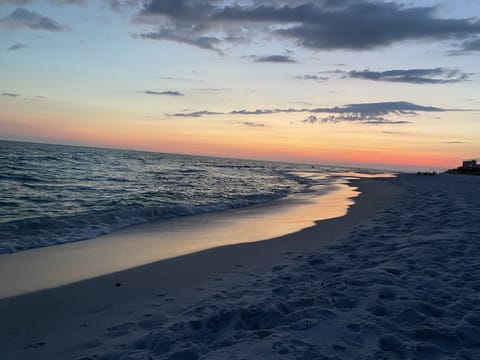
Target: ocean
55,194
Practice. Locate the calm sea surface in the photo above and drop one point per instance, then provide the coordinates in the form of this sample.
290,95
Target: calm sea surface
54,194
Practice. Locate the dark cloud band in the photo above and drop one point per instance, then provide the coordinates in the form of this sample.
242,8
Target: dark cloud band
321,24
411,76
366,113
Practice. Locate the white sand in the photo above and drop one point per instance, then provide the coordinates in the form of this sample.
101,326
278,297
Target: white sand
400,283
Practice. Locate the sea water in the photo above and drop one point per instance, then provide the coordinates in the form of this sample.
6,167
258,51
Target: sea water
55,194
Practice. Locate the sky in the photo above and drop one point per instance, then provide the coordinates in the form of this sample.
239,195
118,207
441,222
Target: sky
368,83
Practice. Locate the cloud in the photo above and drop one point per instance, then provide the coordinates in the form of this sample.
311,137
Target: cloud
320,24
471,45
312,77
310,119
362,118
253,124
12,95
172,78
382,121
21,17
122,5
15,2
17,46
380,108
69,2
187,37
365,113
253,112
365,109
273,59
413,76
116,5
181,10
357,25
466,47
168,93
196,114
370,113
264,111
212,89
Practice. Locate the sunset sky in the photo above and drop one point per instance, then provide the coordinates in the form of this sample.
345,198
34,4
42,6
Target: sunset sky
382,84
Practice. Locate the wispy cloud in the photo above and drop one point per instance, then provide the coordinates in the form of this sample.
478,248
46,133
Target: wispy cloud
471,45
17,46
173,78
263,111
122,5
21,17
320,24
380,108
361,118
186,36
69,2
467,47
196,114
411,76
116,5
15,2
252,124
282,59
163,93
312,77
12,95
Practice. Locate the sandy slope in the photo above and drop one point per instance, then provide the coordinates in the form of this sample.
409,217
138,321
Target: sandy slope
403,284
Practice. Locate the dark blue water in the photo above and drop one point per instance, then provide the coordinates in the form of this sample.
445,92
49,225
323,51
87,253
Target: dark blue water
53,194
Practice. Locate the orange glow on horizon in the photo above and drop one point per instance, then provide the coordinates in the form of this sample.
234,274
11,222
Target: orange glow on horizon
327,145
291,152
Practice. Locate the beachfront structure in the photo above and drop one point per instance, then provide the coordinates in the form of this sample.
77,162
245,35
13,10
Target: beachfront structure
470,165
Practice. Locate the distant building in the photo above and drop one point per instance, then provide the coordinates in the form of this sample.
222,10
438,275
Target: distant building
470,165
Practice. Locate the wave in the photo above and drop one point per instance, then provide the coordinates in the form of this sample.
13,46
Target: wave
53,194
21,178
41,232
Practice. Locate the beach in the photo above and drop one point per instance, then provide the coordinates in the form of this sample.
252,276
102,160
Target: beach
397,277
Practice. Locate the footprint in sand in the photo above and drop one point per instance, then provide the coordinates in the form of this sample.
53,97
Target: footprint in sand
278,268
34,345
91,344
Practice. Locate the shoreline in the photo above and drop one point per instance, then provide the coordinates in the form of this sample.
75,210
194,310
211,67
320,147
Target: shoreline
34,320
49,267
